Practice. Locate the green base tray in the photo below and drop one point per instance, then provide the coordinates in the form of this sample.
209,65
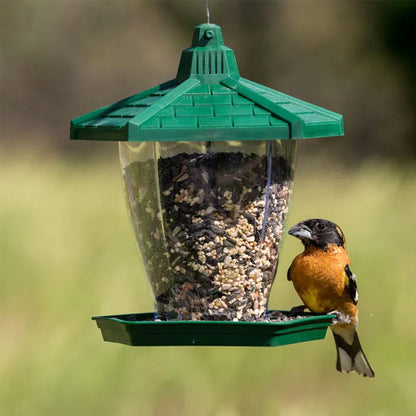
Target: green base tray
141,330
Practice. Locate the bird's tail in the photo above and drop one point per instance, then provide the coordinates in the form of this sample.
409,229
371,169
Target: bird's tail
350,355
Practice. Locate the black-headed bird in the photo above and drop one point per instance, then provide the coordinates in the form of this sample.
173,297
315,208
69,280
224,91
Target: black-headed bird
323,280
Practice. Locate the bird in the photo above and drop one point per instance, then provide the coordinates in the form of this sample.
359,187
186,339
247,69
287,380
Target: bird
322,277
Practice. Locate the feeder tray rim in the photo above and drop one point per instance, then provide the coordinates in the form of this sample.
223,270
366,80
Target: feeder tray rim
307,316
147,332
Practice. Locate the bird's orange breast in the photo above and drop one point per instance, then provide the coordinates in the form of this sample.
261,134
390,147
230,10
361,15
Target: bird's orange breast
320,280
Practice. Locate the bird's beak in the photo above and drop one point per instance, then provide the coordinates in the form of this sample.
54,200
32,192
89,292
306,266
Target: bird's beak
301,231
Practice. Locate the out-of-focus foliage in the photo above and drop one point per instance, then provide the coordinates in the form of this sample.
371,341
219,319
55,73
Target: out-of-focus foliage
65,58
68,253
66,249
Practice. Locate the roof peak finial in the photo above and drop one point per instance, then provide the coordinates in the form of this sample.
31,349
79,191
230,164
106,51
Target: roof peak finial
207,35
207,59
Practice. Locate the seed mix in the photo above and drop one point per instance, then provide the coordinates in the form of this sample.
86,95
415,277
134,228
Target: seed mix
206,249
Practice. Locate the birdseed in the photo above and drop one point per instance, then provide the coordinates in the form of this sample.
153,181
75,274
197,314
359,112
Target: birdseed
206,250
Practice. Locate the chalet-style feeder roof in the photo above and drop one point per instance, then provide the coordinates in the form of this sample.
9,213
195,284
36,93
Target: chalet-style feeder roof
208,100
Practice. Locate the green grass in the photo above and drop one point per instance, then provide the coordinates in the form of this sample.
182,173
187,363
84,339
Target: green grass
68,254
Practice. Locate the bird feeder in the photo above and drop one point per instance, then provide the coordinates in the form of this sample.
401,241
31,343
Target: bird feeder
207,161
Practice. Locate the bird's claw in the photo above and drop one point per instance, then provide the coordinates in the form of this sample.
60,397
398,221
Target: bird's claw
340,318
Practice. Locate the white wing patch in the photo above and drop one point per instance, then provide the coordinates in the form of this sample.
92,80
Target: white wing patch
352,284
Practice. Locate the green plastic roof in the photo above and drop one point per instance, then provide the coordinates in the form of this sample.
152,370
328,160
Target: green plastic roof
208,100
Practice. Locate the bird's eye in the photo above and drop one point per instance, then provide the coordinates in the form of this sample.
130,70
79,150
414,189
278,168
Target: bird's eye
320,226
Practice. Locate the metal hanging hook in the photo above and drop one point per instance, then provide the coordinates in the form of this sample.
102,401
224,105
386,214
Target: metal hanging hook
207,8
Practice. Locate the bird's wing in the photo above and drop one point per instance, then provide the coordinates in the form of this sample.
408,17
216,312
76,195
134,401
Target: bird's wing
288,274
351,283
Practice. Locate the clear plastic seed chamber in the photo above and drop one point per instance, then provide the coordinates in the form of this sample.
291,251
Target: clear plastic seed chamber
209,217
207,161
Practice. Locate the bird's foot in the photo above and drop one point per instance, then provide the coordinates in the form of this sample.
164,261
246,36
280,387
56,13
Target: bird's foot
297,310
341,318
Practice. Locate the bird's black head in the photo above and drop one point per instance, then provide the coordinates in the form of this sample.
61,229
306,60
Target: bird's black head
319,233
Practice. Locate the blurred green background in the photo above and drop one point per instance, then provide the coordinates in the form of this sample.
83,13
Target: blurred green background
67,251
